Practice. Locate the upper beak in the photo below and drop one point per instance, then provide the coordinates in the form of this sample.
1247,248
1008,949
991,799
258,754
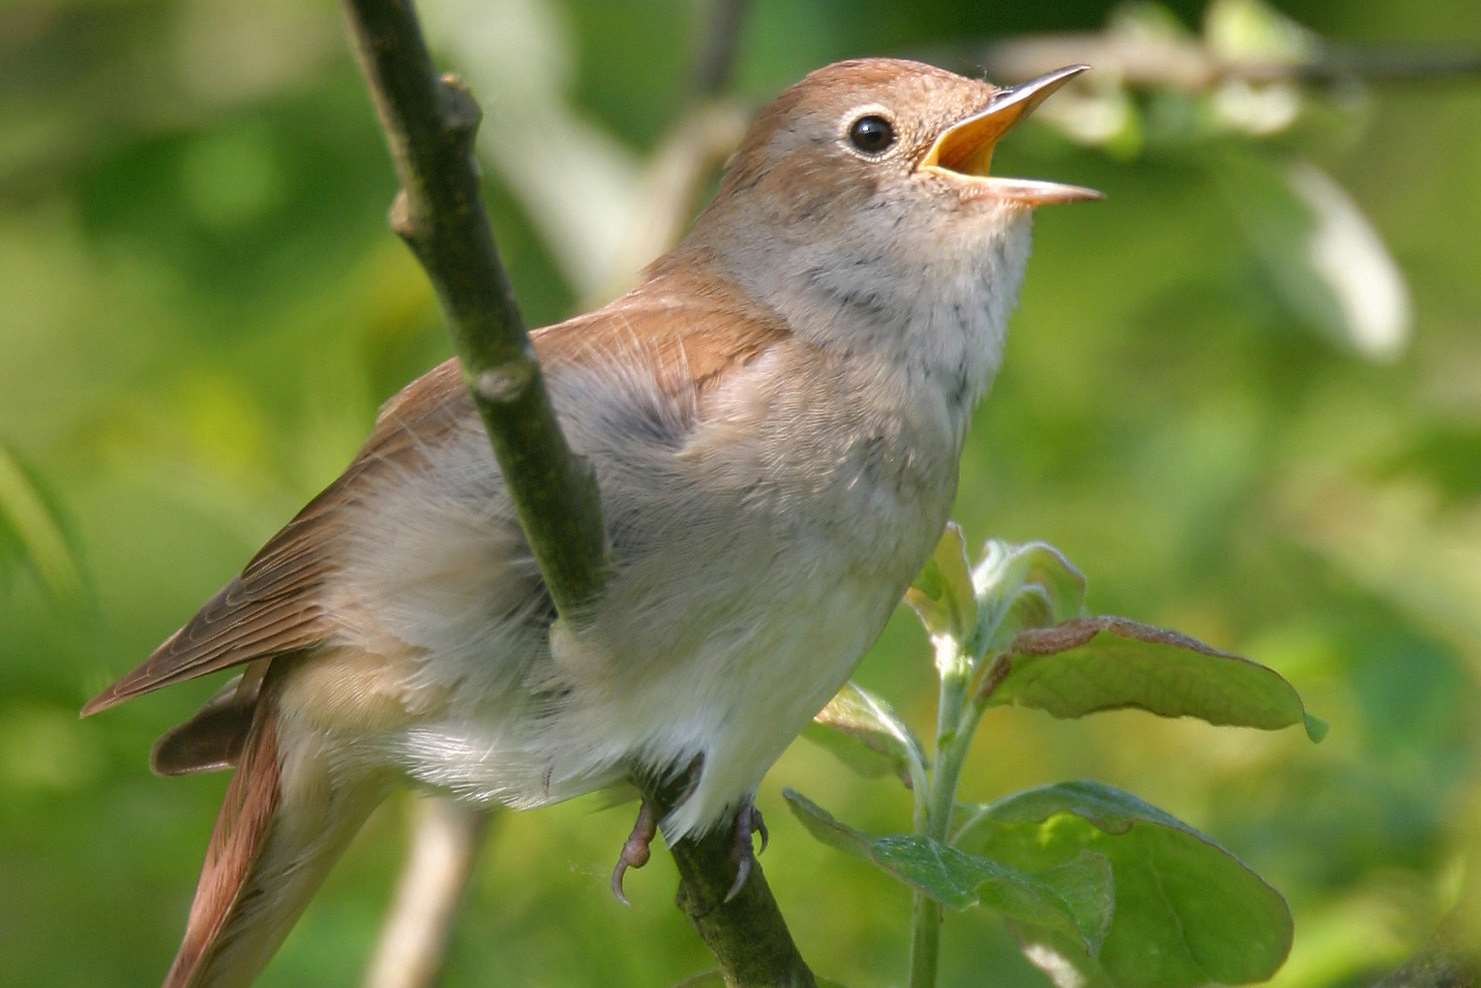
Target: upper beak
964,149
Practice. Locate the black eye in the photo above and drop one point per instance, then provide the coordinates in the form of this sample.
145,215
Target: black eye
872,134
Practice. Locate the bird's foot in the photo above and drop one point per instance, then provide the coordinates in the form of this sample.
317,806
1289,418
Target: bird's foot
636,850
748,822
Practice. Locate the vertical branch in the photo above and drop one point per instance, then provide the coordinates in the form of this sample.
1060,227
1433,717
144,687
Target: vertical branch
413,943
429,124
718,46
694,147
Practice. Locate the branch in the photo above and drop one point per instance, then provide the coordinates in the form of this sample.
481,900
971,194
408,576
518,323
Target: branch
1189,65
413,942
1442,964
747,935
718,46
430,125
673,182
703,138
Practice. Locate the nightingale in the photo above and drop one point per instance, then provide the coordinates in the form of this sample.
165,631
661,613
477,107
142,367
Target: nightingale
775,415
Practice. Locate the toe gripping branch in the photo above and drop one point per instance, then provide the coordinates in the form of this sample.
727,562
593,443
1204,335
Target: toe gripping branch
638,847
748,820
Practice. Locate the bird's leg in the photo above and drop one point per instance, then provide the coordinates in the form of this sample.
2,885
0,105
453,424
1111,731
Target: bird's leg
635,851
748,821
638,847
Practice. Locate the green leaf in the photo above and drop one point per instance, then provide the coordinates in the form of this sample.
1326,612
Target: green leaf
30,522
1254,31
1082,888
1186,911
1071,898
1024,586
862,731
941,594
1108,663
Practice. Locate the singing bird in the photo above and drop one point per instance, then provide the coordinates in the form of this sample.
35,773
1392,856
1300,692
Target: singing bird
775,416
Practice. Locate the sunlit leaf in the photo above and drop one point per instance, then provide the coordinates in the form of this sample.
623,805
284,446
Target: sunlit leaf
862,731
1107,663
941,594
1025,586
1186,911
1326,262
1255,31
1071,897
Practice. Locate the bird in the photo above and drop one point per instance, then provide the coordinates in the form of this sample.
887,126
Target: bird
775,415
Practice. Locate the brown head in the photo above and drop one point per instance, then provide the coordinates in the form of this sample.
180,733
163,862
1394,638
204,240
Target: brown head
863,191
856,134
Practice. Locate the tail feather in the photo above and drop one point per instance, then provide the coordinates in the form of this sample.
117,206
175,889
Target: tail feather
286,818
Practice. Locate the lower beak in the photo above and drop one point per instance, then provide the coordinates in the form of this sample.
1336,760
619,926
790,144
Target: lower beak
964,150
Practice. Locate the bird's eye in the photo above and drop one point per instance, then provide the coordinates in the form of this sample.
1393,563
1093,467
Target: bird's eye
872,134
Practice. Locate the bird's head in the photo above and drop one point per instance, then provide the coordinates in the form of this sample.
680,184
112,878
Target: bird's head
867,184
873,132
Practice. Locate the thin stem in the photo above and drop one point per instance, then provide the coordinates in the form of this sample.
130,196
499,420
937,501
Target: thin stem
925,942
955,721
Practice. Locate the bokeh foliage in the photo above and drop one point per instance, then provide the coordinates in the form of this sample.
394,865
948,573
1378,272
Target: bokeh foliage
202,308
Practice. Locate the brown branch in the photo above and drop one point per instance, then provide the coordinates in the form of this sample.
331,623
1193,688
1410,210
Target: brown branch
1189,65
718,47
430,123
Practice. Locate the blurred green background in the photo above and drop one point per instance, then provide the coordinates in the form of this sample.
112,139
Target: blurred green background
202,308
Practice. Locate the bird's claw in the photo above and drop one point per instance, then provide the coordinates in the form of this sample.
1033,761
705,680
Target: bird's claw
636,849
747,822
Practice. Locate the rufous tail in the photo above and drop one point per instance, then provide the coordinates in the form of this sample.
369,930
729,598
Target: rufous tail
286,818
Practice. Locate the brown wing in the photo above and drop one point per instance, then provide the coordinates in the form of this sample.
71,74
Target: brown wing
693,329
274,607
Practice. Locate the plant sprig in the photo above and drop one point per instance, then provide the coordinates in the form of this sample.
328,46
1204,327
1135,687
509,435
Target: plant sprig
1091,879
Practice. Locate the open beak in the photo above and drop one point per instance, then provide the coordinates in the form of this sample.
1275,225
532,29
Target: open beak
964,150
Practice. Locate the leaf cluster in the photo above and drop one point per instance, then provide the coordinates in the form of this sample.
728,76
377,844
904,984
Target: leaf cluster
1090,878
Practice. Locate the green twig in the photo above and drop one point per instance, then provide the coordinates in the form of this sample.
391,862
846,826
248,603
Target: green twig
747,934
430,124
956,721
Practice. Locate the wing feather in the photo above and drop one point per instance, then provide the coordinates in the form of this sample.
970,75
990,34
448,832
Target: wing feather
692,336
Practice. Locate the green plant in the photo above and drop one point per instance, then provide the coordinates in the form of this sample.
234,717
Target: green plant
1099,887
